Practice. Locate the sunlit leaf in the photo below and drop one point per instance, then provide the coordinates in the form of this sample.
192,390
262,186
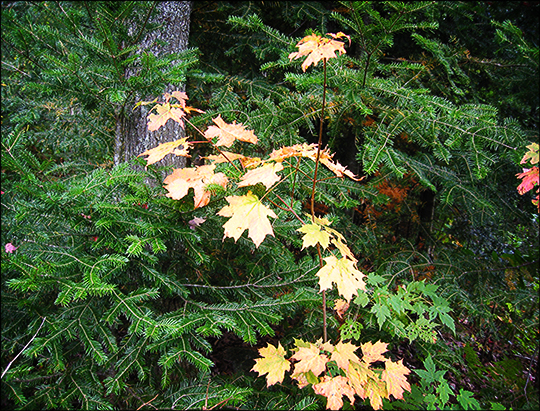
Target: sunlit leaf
273,363
247,213
344,274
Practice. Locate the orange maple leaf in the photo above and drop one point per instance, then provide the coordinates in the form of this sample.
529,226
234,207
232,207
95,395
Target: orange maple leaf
157,153
182,179
167,110
310,359
373,352
228,133
344,274
341,306
334,388
318,48
273,363
181,96
395,377
265,174
310,151
247,213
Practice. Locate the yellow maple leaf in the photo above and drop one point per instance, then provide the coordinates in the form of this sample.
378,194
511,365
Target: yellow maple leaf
247,213
373,352
313,235
266,174
273,363
334,388
375,390
343,353
165,112
358,374
344,274
224,157
531,155
395,377
301,379
228,133
182,179
310,359
157,153
317,48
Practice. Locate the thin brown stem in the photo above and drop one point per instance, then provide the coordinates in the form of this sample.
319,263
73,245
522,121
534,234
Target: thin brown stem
213,145
289,208
317,161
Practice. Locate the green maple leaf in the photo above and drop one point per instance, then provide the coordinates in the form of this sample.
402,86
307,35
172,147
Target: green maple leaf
467,401
382,312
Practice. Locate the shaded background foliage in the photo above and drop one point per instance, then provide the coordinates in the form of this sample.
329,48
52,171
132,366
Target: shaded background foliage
140,307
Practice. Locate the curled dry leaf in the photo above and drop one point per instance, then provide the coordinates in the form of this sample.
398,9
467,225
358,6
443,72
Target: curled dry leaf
341,306
157,153
310,151
182,179
228,133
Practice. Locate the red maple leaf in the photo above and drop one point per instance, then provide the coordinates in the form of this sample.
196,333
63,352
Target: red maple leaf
530,179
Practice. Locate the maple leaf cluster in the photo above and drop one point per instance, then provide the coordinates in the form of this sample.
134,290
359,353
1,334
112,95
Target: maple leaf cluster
246,212
340,271
355,376
530,176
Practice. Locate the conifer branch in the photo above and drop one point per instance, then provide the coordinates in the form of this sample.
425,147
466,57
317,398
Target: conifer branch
24,348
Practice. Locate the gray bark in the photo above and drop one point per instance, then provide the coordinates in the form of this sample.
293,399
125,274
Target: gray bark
132,135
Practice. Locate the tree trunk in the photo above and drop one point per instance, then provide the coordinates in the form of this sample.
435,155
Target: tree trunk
132,135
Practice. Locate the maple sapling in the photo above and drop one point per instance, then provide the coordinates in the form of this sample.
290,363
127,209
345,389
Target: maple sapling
334,371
